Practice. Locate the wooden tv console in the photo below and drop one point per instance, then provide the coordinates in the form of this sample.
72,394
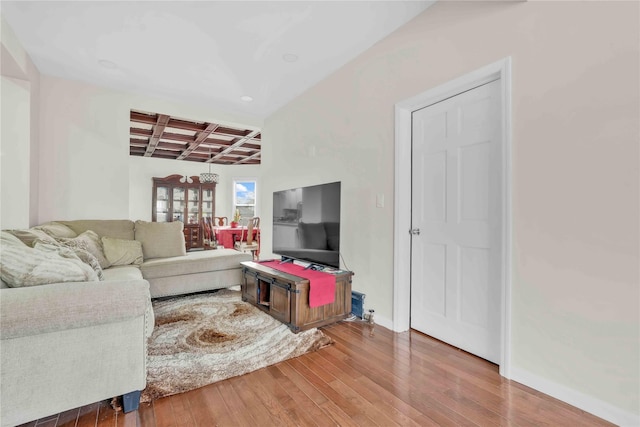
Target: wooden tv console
286,297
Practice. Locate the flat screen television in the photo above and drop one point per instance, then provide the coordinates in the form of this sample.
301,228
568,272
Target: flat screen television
306,224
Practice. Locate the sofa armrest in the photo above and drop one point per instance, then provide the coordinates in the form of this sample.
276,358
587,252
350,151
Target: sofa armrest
60,306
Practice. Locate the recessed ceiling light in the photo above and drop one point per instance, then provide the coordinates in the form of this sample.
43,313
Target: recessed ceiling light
290,57
108,64
246,98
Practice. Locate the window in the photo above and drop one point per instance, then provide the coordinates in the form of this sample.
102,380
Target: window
244,198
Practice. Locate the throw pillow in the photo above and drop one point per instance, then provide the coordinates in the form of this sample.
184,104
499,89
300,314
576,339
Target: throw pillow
21,265
71,251
28,237
161,239
122,252
88,241
56,229
312,235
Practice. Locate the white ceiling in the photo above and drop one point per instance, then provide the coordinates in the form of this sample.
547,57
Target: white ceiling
204,52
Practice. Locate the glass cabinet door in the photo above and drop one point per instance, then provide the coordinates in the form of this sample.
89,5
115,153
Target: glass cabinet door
194,205
176,198
162,204
207,202
178,204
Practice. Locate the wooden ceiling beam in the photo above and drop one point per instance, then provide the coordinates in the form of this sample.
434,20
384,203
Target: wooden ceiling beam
165,153
158,130
136,142
202,136
138,117
236,144
251,146
248,158
185,138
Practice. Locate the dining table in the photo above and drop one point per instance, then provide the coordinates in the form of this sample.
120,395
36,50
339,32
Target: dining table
227,235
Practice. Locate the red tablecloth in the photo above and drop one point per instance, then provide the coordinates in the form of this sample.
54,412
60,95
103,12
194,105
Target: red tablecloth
226,236
322,286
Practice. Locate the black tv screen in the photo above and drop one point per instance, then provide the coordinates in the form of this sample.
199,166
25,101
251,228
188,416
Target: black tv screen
306,224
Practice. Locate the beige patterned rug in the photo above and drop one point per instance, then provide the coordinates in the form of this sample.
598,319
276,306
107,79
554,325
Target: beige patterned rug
203,338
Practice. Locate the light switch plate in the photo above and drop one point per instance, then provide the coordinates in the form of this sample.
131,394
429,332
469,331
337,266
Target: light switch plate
380,200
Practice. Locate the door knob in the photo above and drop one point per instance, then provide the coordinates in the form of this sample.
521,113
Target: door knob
415,231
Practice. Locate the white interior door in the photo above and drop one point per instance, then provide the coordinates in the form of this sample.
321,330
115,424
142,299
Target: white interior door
456,209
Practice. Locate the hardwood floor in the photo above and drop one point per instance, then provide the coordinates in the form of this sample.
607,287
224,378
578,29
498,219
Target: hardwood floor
367,378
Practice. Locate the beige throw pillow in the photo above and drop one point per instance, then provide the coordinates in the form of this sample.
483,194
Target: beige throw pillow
28,237
161,239
56,229
89,241
122,252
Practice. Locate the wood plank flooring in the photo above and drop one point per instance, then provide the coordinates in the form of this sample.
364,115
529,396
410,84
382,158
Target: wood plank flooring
370,376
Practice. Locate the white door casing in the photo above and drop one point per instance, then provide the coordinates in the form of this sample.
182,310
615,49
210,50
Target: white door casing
455,258
500,70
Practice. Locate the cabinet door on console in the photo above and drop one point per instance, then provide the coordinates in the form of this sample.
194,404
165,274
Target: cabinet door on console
280,303
342,299
250,287
304,314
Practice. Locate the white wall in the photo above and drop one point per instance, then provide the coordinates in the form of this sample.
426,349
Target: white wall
143,169
576,112
14,153
19,141
86,170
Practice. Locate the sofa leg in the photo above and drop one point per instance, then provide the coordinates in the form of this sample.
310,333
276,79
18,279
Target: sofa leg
131,401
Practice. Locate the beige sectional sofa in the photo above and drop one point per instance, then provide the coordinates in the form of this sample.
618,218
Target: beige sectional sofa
73,332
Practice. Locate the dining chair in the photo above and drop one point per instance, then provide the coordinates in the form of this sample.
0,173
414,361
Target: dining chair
247,242
221,221
209,237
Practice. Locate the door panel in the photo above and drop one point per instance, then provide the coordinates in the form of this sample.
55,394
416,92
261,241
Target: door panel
456,199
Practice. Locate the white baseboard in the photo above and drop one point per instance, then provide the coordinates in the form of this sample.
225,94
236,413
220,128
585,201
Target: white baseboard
383,321
573,397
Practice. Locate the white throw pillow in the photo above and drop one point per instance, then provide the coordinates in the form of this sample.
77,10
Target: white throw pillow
21,265
89,241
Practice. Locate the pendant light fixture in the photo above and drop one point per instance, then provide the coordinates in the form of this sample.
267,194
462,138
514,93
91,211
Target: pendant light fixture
208,177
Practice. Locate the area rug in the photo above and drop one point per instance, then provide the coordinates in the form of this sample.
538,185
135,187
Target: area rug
204,338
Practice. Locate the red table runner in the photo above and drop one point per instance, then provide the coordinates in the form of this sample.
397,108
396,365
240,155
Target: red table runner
322,286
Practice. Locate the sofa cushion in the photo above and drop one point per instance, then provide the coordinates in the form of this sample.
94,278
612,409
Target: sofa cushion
312,235
160,239
56,229
116,228
194,262
21,265
88,241
122,272
121,251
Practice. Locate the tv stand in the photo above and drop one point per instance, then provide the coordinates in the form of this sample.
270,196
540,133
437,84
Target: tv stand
286,297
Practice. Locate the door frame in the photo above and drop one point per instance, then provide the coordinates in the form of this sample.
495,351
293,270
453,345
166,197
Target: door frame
402,188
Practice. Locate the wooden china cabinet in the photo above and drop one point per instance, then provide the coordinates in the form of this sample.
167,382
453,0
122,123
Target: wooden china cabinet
176,199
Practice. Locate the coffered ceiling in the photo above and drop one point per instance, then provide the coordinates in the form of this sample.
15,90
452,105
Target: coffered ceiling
167,137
